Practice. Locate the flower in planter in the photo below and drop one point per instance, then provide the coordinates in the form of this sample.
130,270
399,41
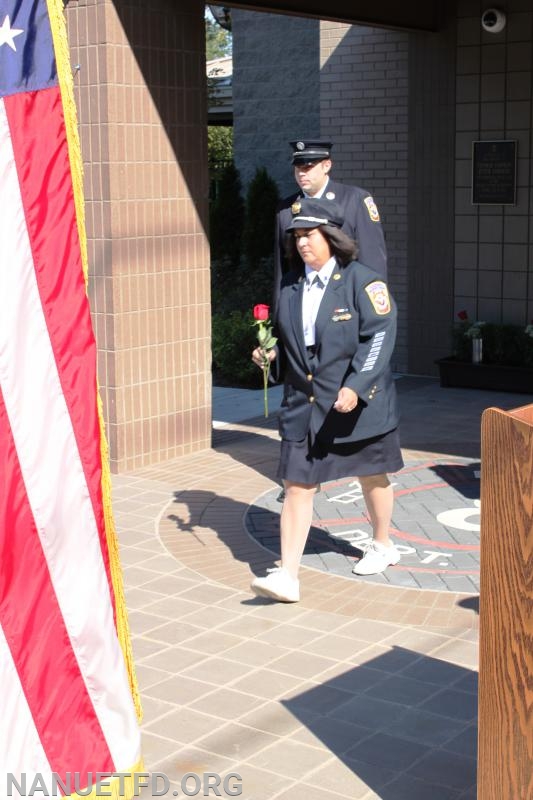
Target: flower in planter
475,331
506,360
505,344
461,344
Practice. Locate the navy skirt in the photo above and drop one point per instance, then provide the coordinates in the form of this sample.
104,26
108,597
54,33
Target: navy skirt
301,463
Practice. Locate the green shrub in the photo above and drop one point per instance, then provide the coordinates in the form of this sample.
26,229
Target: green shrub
219,156
262,200
233,339
240,281
226,217
219,144
240,288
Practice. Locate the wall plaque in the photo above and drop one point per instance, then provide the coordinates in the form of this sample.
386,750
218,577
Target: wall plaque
494,172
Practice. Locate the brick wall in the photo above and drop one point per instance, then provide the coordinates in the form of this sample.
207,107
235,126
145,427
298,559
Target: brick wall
364,96
275,91
294,78
494,244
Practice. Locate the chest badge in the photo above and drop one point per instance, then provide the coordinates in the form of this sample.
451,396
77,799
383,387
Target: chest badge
343,317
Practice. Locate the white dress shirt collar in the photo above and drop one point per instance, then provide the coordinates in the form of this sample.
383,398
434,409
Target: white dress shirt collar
321,191
312,297
324,273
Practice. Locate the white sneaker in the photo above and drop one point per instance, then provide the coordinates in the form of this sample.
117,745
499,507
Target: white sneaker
278,585
377,557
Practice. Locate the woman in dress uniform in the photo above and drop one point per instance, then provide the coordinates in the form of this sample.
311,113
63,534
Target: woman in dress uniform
336,328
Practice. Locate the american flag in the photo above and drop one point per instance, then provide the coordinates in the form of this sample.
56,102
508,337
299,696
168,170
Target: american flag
66,703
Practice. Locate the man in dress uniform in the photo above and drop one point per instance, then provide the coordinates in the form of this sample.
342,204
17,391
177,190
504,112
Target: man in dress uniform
312,165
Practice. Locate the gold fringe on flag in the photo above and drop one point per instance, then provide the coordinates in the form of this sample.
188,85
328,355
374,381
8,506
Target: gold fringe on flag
66,84
117,788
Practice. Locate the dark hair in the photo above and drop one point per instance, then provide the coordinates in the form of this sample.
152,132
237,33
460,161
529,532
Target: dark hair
342,247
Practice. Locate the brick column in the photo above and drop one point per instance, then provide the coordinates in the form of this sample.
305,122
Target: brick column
431,195
142,113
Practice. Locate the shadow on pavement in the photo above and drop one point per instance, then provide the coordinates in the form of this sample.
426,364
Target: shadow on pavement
404,724
471,603
446,420
207,510
464,478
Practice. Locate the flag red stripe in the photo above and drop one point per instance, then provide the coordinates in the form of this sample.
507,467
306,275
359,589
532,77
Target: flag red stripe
39,142
36,634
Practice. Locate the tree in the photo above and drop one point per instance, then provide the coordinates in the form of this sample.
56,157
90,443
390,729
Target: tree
219,144
219,137
218,41
240,281
261,203
227,218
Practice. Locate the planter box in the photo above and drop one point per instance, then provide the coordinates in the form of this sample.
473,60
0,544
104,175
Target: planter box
485,376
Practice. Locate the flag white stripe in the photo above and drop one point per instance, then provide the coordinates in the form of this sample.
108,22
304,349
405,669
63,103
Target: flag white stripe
48,456
18,734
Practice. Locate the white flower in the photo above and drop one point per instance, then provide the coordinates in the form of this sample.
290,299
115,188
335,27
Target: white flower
475,330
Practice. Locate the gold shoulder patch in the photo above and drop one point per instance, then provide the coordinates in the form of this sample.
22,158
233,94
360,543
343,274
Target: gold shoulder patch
373,212
296,207
379,297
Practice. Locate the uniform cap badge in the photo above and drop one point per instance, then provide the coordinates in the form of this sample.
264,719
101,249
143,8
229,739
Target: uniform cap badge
300,146
296,207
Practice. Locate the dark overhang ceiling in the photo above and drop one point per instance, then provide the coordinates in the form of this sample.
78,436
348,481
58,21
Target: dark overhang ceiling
415,15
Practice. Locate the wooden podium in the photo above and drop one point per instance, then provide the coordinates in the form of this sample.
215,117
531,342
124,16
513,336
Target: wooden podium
505,740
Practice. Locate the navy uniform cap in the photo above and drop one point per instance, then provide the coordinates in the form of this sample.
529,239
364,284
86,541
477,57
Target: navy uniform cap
310,213
306,151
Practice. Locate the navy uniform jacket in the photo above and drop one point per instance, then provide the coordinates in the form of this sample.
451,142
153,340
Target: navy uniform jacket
355,334
361,222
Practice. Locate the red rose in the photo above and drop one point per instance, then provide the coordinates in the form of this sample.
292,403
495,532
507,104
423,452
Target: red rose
261,312
266,341
462,315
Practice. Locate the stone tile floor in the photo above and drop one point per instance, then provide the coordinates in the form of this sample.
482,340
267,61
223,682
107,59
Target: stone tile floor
359,691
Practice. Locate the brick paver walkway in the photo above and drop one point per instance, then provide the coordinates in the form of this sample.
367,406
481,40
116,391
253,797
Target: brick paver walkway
363,690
